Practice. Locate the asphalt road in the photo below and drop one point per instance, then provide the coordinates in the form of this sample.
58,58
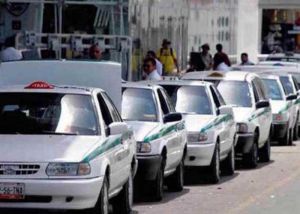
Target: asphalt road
270,189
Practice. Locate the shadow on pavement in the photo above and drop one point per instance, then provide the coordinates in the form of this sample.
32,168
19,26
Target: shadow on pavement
260,165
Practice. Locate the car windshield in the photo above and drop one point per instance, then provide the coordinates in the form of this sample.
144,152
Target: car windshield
273,89
190,99
47,113
236,93
138,105
297,76
287,85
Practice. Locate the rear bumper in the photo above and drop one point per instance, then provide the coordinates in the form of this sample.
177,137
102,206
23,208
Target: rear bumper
199,155
57,194
244,143
148,167
279,130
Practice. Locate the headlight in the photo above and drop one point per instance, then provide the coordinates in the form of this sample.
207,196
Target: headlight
143,147
197,137
68,169
241,128
277,117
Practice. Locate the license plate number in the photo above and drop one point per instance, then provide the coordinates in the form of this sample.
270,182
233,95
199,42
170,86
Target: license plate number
12,191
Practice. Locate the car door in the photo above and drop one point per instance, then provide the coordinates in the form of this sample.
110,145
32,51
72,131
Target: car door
115,153
171,137
225,126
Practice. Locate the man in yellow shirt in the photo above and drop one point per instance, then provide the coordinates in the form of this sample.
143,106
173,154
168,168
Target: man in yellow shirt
167,56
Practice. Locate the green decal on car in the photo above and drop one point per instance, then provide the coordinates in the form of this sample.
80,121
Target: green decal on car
165,131
297,101
258,114
220,119
286,108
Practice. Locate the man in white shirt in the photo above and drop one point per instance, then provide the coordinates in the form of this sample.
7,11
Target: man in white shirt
10,54
150,69
159,66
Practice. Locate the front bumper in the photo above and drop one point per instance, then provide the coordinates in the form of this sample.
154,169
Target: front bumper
148,167
244,143
279,130
56,194
199,155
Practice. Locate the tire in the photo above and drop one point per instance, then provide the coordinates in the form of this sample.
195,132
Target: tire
291,137
122,204
296,131
102,205
175,182
214,174
265,152
286,139
229,163
157,187
250,160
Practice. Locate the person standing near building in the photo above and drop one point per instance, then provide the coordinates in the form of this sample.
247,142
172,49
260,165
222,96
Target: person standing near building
10,53
150,69
206,57
159,66
220,64
245,59
220,54
95,52
167,56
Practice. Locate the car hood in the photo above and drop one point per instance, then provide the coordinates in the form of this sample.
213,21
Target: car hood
279,105
242,114
48,148
142,129
195,123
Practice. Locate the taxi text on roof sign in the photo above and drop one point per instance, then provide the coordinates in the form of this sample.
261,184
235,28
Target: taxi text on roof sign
39,85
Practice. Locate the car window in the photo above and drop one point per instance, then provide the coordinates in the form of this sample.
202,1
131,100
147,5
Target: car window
139,105
295,83
220,98
191,100
273,89
106,115
215,97
168,100
235,93
259,86
112,109
287,85
163,102
255,92
297,78
47,113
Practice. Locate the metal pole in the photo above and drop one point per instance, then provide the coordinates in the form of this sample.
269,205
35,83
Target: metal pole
60,12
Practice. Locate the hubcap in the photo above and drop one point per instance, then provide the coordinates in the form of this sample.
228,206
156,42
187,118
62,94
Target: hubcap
130,191
217,163
105,200
255,152
181,174
232,158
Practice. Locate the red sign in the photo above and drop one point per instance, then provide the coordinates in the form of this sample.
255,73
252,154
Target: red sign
39,85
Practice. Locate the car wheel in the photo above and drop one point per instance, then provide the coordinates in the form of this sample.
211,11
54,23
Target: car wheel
102,205
229,163
214,176
175,182
250,160
296,131
122,204
291,137
265,152
286,139
157,186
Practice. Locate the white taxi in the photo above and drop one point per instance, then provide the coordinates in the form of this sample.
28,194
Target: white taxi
64,147
283,109
252,111
160,134
209,123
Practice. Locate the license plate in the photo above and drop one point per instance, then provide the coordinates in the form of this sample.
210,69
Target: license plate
12,191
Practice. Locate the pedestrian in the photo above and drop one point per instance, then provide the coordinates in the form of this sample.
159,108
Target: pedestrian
220,64
10,53
245,59
150,69
167,56
206,57
159,66
221,54
95,52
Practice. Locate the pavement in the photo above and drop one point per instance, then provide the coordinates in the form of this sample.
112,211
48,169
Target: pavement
272,188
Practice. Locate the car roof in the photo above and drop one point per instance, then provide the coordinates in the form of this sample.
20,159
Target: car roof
141,84
183,82
61,89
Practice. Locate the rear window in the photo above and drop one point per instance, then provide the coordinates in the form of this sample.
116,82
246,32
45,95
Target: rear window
273,89
47,113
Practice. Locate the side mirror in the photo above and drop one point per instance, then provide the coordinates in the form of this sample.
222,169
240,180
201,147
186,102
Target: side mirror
117,128
225,110
262,104
172,117
291,97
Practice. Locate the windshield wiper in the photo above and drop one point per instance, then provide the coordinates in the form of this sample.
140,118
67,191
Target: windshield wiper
58,133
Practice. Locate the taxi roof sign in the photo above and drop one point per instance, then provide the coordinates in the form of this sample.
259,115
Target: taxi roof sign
216,74
39,85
